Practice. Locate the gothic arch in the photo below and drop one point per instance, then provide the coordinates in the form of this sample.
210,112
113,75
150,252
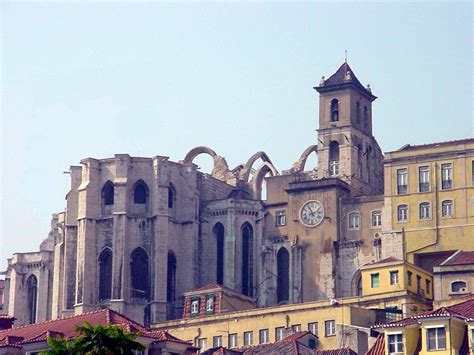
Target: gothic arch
171,277
246,232
219,235
141,192
105,274
245,172
356,284
193,153
32,298
140,273
107,193
299,165
283,276
257,180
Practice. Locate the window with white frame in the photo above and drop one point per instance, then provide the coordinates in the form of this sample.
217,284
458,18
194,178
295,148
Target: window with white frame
376,218
330,328
233,343
217,341
402,213
402,181
394,277
374,280
354,220
279,333
202,343
395,343
459,286
425,210
263,336
436,338
313,328
195,306
248,338
446,176
447,208
210,304
296,327
280,218
423,178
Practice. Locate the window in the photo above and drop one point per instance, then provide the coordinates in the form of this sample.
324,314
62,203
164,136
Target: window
296,327
428,286
374,280
424,210
447,208
446,176
354,220
402,212
283,276
248,338
247,259
409,275
358,112
210,304
140,193
278,333
402,181
313,328
376,218
312,343
395,344
330,328
217,341
219,235
233,340
436,338
139,270
32,297
459,286
171,278
394,277
195,306
202,343
334,110
418,284
263,336
280,219
171,196
423,178
108,194
334,158
105,274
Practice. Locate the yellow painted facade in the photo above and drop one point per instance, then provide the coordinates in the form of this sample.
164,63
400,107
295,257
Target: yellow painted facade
436,175
395,276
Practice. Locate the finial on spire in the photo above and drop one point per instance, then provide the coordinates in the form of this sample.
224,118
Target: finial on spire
345,58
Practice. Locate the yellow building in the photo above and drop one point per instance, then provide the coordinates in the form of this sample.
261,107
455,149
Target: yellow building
429,200
446,330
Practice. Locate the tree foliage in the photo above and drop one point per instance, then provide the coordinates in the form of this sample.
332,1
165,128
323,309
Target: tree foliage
95,340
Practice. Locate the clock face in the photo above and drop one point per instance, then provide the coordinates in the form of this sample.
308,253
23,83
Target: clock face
312,213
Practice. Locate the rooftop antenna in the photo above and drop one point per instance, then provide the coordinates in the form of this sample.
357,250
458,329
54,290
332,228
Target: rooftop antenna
345,60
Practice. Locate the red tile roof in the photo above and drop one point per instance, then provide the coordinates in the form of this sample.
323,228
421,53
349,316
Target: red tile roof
343,351
462,258
297,335
439,144
463,310
67,327
390,259
379,346
6,316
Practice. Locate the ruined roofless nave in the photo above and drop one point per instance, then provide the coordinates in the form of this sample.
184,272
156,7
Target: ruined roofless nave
137,233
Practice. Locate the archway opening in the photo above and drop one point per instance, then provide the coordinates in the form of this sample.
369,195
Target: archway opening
283,276
247,260
219,235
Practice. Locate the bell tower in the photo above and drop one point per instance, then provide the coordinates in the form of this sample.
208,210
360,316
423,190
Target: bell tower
346,147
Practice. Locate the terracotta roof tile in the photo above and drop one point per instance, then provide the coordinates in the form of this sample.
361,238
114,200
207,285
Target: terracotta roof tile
343,351
390,259
297,335
6,316
379,346
463,258
463,310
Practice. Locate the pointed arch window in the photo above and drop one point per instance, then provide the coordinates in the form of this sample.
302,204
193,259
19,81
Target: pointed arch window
334,110
358,112
171,196
140,271
32,298
108,193
140,193
219,233
105,274
171,279
247,260
283,276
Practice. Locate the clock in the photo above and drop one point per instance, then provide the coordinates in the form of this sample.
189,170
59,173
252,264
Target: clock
312,213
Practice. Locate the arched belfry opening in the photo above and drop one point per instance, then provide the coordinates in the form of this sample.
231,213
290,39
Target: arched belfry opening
334,110
105,274
32,298
247,259
219,235
108,193
140,193
283,276
140,274
334,158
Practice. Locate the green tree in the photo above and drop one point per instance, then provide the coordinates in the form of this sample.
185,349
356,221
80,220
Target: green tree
95,340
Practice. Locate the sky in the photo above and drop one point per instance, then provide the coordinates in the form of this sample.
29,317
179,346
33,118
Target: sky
94,79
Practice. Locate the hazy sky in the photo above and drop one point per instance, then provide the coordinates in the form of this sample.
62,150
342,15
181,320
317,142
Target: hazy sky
86,79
